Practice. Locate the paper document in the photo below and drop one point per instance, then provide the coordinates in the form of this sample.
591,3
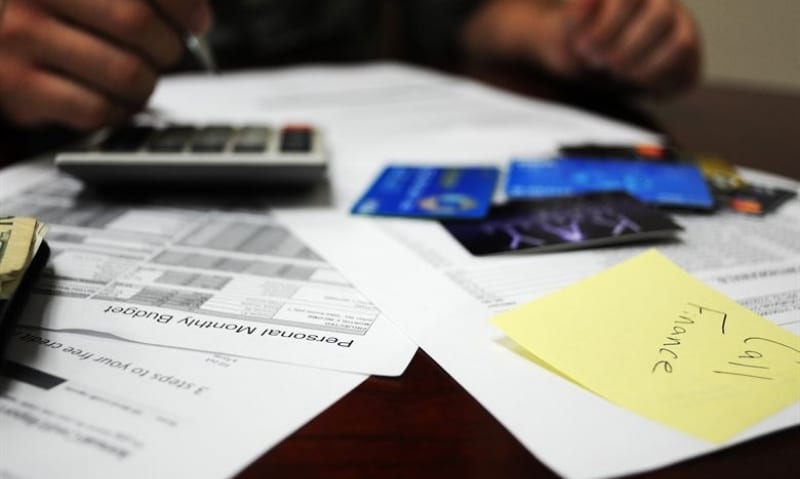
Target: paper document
756,261
379,113
442,296
418,275
83,407
201,276
653,339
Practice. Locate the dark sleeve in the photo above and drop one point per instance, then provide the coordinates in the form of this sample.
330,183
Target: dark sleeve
431,30
18,143
275,32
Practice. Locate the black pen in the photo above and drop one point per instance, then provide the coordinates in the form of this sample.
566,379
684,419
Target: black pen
199,47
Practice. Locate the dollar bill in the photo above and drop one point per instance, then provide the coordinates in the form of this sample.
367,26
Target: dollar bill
4,237
38,237
19,234
20,239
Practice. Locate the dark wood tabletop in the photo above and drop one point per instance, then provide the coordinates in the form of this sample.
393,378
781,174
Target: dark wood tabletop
425,425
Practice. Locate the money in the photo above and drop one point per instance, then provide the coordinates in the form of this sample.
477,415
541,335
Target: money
20,239
4,238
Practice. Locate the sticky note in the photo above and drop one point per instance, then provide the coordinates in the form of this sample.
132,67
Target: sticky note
649,337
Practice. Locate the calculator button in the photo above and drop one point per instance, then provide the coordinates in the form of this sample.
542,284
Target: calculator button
172,139
127,139
212,139
252,140
296,139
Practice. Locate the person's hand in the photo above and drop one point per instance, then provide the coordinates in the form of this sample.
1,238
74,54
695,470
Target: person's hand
89,63
534,31
652,44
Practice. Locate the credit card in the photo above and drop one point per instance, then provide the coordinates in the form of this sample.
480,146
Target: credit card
664,184
430,192
562,223
758,200
721,175
642,151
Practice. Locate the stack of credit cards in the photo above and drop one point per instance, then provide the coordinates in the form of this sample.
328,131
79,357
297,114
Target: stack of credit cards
604,196
461,197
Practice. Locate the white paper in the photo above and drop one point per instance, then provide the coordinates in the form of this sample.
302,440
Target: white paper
578,434
442,296
130,411
376,113
439,294
204,276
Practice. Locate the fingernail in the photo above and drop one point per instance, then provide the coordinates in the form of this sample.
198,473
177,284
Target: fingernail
597,61
585,49
583,7
202,18
592,57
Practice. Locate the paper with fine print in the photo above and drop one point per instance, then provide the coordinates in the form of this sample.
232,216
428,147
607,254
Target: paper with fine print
197,275
77,406
385,113
454,295
576,433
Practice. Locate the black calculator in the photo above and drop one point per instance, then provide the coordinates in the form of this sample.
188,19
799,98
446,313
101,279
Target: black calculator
200,154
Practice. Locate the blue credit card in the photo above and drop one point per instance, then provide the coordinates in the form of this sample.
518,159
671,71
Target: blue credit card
666,184
430,192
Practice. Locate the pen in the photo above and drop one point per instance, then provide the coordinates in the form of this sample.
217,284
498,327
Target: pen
196,44
199,47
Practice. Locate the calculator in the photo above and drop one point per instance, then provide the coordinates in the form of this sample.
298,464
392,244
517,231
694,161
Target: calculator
199,154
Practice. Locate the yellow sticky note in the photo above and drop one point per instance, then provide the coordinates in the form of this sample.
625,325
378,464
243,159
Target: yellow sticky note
650,337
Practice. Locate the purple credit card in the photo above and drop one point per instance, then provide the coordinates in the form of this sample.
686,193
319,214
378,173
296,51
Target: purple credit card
563,223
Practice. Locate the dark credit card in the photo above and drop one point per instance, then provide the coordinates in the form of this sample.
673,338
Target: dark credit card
758,200
563,223
642,151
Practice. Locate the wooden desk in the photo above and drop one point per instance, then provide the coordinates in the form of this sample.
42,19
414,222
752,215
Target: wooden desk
424,425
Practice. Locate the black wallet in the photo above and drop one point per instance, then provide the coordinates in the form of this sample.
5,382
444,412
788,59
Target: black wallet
11,308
